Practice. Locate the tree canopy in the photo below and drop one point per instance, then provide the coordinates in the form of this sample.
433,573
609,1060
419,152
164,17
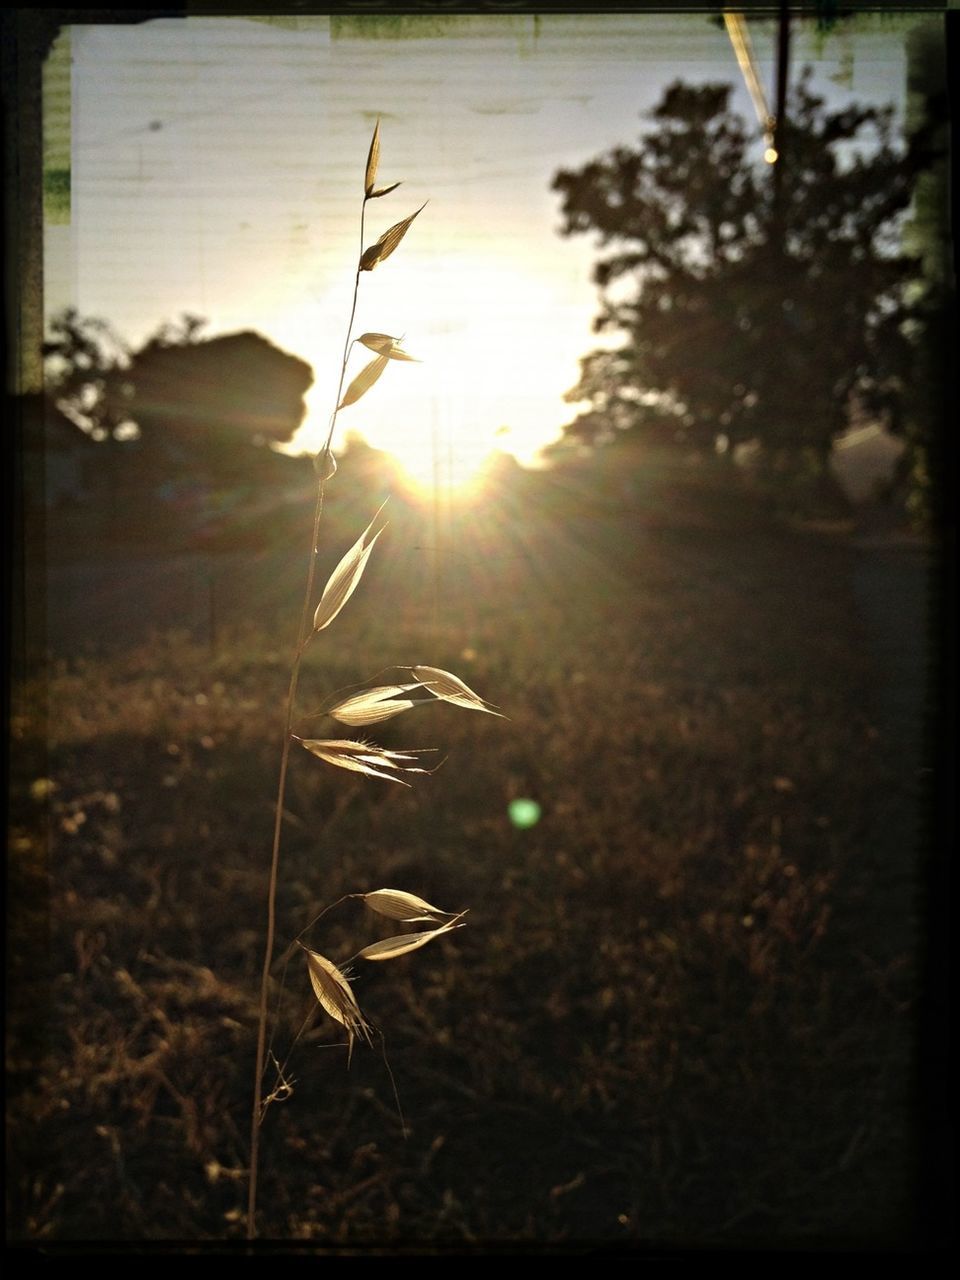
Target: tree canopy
198,402
747,308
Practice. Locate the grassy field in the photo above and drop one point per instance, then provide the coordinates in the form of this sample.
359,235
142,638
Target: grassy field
683,1010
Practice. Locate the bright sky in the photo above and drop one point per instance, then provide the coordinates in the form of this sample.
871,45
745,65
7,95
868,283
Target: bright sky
217,168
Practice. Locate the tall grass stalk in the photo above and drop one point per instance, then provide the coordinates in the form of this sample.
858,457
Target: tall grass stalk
329,982
302,636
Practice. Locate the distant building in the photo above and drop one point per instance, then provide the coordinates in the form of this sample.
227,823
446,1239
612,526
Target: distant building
864,461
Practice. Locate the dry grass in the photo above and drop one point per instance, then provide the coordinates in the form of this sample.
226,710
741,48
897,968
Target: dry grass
685,1006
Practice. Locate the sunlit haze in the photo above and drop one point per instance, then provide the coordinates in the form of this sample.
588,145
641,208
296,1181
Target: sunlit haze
217,164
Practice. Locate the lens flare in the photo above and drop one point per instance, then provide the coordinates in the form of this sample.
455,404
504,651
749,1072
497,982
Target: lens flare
523,813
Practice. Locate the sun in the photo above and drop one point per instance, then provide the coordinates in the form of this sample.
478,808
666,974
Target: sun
495,356
433,462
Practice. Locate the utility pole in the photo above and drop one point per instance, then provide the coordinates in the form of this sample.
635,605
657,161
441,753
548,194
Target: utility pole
783,68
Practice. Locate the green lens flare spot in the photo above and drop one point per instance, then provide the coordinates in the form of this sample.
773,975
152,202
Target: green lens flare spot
524,813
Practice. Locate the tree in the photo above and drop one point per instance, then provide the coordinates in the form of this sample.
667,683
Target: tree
84,364
205,400
194,403
747,309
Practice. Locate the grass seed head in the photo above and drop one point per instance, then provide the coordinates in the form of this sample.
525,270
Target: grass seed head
363,757
450,688
390,948
395,904
336,997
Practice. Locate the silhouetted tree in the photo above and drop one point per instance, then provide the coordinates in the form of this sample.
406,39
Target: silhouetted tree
205,400
746,311
85,363
196,404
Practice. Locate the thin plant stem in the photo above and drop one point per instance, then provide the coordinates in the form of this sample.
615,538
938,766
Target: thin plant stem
282,1067
316,920
303,636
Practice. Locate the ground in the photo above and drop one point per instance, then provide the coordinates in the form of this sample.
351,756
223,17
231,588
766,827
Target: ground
684,1007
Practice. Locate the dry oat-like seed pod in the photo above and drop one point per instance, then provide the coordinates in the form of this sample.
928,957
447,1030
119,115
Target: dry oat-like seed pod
383,191
374,705
449,688
373,160
363,381
383,248
390,948
363,757
336,997
343,581
395,904
384,345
